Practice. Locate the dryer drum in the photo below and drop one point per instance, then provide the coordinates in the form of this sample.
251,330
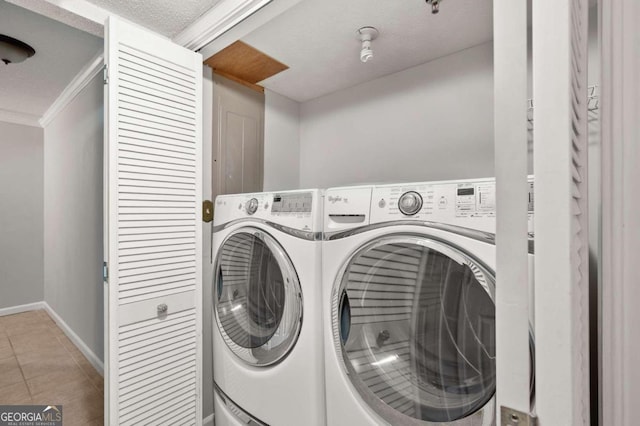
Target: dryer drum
258,307
420,348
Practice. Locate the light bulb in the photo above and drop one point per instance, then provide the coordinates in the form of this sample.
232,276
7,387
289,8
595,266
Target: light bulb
366,34
366,53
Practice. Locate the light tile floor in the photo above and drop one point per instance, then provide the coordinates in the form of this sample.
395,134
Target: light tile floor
40,365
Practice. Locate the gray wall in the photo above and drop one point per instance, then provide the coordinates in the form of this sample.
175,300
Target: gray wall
21,216
73,224
430,122
281,142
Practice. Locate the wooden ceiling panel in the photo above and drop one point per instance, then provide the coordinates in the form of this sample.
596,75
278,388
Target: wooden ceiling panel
245,63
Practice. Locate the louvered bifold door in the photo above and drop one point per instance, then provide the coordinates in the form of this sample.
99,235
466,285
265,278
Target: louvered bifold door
153,239
560,120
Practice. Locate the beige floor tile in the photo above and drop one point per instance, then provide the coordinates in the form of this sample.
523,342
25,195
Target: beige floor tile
16,394
64,393
10,372
91,372
56,372
17,329
4,340
45,316
45,365
39,340
57,331
84,409
51,381
68,345
6,350
22,318
96,422
42,355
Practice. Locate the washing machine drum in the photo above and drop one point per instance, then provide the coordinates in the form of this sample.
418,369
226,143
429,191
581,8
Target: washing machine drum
257,299
415,322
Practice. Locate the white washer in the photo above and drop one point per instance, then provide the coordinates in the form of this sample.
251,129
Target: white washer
268,359
409,314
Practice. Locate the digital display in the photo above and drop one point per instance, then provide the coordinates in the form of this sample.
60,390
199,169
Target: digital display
466,191
297,202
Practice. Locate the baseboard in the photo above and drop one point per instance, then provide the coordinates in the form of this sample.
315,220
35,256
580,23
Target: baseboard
22,308
88,353
208,421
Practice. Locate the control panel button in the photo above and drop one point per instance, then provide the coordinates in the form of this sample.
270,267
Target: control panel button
410,203
251,206
382,203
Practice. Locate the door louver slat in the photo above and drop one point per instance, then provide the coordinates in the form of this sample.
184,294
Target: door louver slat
153,155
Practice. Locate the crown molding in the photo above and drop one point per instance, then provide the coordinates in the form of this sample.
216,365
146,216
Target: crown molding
232,27
21,118
79,82
219,19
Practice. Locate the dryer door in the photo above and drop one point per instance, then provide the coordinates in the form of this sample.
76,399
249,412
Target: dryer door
257,298
414,321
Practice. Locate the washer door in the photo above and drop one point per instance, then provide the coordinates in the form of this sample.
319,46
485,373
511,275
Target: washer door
258,300
414,323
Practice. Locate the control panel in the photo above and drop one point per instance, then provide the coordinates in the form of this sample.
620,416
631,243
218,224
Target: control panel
470,203
464,203
294,209
297,202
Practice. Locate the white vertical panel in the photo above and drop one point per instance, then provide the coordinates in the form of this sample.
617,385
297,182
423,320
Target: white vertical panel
561,264
620,115
512,294
154,241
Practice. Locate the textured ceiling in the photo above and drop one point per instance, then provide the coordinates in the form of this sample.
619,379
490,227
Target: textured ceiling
167,17
30,87
317,40
60,14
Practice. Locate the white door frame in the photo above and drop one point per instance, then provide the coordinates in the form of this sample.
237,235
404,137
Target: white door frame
620,117
512,190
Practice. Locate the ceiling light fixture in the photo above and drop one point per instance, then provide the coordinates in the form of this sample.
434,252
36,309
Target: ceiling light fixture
366,34
13,51
435,5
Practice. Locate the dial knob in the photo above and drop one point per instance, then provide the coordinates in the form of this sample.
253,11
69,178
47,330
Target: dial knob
251,206
410,203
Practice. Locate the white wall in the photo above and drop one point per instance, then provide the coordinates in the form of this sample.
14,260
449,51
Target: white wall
430,122
21,215
281,142
73,224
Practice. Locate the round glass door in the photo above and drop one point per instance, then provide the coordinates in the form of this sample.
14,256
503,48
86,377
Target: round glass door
414,321
258,300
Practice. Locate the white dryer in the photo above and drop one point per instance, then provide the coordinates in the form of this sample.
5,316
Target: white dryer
268,359
409,314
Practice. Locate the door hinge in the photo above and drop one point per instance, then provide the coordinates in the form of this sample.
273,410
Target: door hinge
511,417
105,271
105,74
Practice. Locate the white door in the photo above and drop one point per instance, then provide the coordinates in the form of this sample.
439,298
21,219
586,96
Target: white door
238,158
153,121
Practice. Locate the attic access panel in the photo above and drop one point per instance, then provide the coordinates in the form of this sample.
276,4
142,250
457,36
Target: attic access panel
240,61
